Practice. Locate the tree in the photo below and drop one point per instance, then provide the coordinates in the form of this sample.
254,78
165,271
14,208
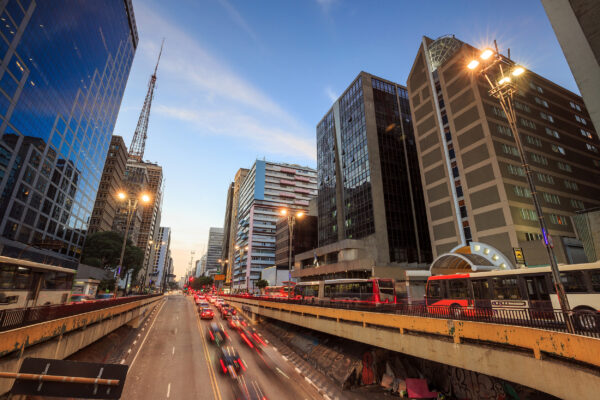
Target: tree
205,281
103,250
261,284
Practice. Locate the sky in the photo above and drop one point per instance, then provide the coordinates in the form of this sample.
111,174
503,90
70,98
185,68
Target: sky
245,80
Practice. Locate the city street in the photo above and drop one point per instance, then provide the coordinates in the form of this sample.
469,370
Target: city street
176,361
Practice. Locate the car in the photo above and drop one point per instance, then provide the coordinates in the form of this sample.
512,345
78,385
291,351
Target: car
230,362
224,313
105,296
206,313
248,390
217,334
203,304
236,322
80,298
251,337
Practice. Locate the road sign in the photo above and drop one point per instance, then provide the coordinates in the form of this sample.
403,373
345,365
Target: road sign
111,379
219,277
519,257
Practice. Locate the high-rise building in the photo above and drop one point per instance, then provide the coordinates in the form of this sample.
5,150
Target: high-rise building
160,259
59,104
135,181
372,217
475,188
227,227
304,239
200,267
106,204
231,228
213,252
267,188
575,23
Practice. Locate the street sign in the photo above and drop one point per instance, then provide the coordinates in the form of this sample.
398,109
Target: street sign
219,277
110,378
519,257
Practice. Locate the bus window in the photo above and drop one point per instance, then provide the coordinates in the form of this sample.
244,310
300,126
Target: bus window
573,281
386,290
328,290
595,278
481,289
506,289
457,289
434,289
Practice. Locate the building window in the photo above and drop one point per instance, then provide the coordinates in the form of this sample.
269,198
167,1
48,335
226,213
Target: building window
533,140
596,163
577,204
575,106
522,192
565,167
504,130
522,107
527,214
552,132
527,123
585,133
581,120
533,236
511,150
536,87
539,159
591,147
545,178
499,113
551,198
514,170
558,149
559,219
571,185
541,102
547,117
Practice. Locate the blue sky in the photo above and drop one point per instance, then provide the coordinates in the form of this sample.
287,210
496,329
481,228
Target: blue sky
241,80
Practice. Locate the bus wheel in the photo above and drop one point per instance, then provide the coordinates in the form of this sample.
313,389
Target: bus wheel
455,310
587,320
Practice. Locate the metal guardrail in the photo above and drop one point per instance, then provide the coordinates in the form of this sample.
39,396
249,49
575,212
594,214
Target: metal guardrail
19,317
587,324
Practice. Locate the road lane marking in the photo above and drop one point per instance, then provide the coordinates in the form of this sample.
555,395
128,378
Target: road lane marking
281,372
144,341
134,342
298,370
211,372
176,331
168,389
173,352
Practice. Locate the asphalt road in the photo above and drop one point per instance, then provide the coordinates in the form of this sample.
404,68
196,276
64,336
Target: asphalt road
176,361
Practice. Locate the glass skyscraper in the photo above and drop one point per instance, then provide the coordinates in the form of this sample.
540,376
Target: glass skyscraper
65,64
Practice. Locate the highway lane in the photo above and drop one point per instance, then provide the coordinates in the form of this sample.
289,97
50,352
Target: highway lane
171,362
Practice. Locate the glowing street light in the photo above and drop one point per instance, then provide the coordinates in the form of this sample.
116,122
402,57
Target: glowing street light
485,54
473,64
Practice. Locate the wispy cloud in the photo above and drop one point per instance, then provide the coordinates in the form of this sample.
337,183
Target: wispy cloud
215,99
326,4
331,94
238,19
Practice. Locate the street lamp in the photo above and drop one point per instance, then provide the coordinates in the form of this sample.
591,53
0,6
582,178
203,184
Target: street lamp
291,220
501,73
132,204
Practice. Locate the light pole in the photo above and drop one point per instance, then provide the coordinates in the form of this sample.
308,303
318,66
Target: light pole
501,73
291,221
131,207
241,251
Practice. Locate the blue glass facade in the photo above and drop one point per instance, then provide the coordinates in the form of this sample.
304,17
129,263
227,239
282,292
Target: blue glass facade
65,64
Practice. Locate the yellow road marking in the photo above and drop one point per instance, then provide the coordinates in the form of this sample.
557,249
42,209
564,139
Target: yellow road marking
213,379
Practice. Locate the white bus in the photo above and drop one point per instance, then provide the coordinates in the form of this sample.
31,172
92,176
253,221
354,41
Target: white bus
26,283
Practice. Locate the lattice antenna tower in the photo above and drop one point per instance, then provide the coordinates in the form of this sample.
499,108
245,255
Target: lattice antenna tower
138,144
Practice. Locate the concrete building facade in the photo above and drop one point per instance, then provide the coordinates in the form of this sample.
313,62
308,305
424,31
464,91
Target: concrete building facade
575,23
371,212
231,230
473,182
111,182
267,188
161,255
587,225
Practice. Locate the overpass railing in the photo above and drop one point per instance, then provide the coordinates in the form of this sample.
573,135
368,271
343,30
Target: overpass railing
587,324
19,317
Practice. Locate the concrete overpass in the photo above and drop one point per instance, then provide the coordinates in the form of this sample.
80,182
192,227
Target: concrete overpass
61,337
560,364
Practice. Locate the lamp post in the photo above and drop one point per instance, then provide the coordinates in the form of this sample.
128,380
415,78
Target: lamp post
241,251
131,207
501,73
291,221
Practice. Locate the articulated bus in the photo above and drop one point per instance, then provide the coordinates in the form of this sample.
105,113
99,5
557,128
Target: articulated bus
279,292
27,284
484,293
372,291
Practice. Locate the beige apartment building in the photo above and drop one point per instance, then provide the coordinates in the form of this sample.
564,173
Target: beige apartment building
231,229
473,182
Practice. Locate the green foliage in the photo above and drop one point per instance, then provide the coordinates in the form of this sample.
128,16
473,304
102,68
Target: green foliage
106,285
103,250
261,283
206,281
